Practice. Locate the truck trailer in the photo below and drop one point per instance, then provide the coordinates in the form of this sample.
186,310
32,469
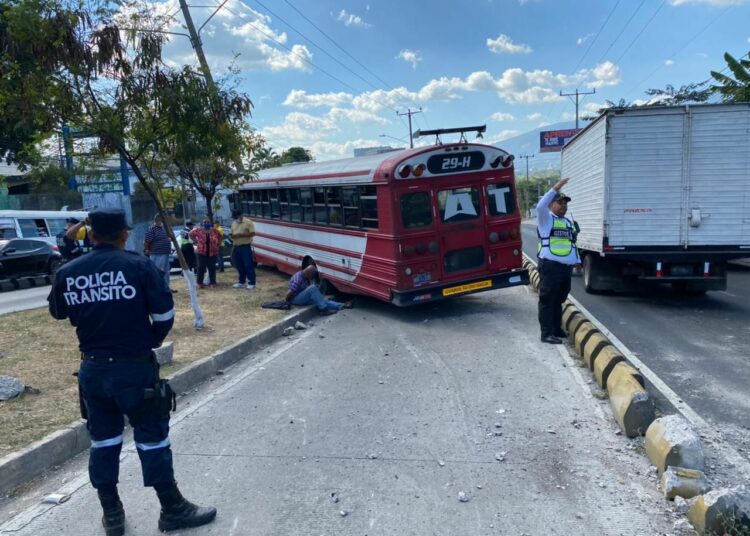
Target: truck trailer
661,194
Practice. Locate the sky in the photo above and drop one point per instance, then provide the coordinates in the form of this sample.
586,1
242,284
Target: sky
333,75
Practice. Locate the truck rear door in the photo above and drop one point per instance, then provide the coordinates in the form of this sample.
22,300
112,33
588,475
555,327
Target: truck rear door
718,201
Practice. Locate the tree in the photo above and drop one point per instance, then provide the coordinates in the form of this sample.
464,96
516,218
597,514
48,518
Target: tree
208,136
685,94
295,154
735,89
118,89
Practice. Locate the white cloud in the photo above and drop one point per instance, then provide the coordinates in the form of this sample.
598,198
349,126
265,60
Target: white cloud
501,136
350,19
567,116
668,63
594,107
243,37
505,45
543,124
709,2
410,56
748,39
535,116
502,116
582,40
299,98
702,55
605,74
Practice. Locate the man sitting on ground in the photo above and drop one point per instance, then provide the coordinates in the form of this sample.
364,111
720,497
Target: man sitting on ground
302,291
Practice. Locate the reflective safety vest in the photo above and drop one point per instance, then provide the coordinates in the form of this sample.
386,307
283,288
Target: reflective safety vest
562,238
184,240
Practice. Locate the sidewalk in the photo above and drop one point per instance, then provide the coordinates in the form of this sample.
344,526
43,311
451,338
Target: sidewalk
395,411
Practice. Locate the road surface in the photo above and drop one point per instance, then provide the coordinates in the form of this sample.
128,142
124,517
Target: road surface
699,345
372,423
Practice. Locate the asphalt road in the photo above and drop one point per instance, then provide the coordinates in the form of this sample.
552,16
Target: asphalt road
21,300
699,345
374,420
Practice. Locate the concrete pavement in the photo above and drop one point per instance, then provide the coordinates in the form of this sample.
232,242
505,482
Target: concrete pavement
395,411
21,300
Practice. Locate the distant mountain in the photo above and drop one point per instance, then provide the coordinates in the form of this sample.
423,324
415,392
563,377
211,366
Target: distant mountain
528,143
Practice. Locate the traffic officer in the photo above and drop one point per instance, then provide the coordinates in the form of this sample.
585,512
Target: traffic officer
119,376
557,257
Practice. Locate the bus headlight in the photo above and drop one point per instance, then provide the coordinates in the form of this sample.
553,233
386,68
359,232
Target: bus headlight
433,247
494,237
407,271
515,253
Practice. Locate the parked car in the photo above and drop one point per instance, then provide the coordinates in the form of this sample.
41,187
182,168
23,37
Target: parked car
25,256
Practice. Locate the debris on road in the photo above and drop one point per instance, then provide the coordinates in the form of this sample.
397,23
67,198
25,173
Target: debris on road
463,497
288,331
300,325
10,387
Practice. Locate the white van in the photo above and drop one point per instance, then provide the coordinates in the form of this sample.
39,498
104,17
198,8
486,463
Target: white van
39,224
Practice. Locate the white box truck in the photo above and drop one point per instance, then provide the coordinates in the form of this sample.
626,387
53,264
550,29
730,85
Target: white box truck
661,194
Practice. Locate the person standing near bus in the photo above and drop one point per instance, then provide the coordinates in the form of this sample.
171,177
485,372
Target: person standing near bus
100,293
186,245
557,257
243,234
158,247
80,232
206,240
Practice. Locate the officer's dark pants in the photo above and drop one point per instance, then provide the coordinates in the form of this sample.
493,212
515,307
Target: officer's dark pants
111,390
554,287
189,253
206,262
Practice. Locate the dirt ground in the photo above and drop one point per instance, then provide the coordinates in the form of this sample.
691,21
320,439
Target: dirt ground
43,352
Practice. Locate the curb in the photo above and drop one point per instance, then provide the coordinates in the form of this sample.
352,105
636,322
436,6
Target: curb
59,446
634,410
7,285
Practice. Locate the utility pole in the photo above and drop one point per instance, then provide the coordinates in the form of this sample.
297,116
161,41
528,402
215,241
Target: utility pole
577,94
527,156
409,113
195,40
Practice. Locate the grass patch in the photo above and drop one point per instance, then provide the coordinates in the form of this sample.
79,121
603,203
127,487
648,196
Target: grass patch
43,352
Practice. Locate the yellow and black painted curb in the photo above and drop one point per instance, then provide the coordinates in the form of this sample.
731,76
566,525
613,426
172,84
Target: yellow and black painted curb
634,410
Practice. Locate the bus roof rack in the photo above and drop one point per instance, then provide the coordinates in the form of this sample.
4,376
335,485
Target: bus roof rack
458,130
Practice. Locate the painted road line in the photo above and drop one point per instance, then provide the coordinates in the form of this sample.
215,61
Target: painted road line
701,425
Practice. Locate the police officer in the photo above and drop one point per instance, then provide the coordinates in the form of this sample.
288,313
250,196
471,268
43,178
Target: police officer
557,257
69,249
119,375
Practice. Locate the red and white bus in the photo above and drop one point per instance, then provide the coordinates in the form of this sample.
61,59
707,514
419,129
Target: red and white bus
406,227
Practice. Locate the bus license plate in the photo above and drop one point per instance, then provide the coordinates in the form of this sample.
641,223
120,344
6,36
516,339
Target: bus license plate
450,291
421,279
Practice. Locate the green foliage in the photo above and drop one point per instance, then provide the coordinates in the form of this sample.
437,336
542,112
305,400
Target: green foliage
735,89
689,93
538,183
50,179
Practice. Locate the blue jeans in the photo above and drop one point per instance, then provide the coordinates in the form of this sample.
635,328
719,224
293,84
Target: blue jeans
311,295
162,263
243,261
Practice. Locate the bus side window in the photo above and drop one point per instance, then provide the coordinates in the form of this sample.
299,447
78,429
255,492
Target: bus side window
55,225
333,196
294,205
265,204
319,200
284,203
305,197
350,201
273,196
369,205
33,228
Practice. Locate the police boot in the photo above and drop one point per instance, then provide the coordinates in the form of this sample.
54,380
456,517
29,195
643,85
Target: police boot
179,513
113,519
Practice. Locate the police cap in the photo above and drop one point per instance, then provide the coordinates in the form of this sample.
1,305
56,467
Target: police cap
559,196
108,221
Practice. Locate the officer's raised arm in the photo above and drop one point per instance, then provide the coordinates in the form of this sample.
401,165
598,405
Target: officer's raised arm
160,304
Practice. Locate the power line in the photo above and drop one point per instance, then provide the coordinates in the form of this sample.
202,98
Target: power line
597,35
642,30
690,41
342,49
621,31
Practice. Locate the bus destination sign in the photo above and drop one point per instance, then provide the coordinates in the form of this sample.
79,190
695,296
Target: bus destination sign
452,163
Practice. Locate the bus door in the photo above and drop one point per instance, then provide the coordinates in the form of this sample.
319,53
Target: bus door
461,231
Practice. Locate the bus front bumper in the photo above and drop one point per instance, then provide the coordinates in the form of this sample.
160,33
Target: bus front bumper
450,290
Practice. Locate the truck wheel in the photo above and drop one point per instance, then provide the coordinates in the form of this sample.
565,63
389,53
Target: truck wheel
591,272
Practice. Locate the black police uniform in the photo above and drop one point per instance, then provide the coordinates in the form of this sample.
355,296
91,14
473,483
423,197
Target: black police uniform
121,308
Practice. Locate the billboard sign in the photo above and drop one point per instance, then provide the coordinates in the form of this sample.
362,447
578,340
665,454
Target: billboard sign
553,140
